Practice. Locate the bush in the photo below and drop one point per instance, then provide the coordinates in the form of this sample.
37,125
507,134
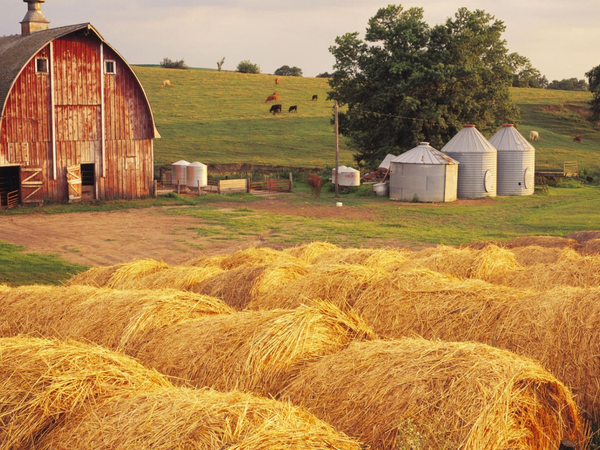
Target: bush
287,71
247,67
325,75
169,64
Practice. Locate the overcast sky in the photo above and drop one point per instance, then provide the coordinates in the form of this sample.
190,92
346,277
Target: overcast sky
560,37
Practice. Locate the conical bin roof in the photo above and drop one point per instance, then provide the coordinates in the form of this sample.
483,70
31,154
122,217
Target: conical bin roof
468,140
508,138
424,154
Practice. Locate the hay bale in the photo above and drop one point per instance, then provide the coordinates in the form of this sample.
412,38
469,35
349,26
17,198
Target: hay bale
42,382
127,275
308,252
96,276
340,284
234,286
257,351
415,393
249,257
542,241
591,247
174,419
182,278
493,261
71,395
584,236
445,259
534,254
120,320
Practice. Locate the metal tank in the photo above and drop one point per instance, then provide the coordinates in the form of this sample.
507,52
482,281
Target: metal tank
516,162
347,176
196,172
478,158
179,172
423,174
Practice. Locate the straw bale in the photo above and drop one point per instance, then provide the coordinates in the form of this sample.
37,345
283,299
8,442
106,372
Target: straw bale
391,259
340,284
541,241
414,393
128,274
206,261
115,319
256,351
584,236
254,256
308,252
493,261
96,276
445,259
591,247
42,382
234,286
278,274
71,395
175,419
534,254
182,278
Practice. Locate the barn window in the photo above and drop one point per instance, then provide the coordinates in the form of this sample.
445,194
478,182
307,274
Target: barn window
41,65
109,67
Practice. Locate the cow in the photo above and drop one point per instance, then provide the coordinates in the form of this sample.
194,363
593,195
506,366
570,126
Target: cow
166,83
315,97
293,108
276,81
578,138
275,109
534,136
316,183
272,98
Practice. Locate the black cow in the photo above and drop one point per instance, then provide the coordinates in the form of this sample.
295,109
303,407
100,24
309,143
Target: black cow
315,97
293,108
275,109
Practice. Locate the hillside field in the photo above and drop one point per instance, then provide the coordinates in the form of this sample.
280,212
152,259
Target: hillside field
222,118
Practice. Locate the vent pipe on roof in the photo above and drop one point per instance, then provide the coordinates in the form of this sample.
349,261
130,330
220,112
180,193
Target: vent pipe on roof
34,20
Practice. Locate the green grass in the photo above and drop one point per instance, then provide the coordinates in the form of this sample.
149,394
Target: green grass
19,268
221,117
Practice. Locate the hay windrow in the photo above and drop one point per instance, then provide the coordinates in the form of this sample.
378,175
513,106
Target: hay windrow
591,247
309,252
445,260
257,351
182,278
112,318
254,256
542,241
534,254
127,275
584,236
391,394
96,276
492,261
71,395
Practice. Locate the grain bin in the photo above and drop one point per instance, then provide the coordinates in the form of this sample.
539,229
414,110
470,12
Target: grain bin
516,162
180,172
477,172
348,176
196,175
423,174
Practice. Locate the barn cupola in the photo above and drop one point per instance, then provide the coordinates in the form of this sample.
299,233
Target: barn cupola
34,20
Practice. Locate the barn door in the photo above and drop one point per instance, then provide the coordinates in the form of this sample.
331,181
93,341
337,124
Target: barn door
31,185
74,182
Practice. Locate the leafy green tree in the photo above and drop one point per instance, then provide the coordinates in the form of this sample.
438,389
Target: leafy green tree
247,67
593,77
406,82
287,71
569,84
170,64
524,74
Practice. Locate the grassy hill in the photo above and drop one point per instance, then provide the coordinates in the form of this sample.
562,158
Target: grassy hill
221,117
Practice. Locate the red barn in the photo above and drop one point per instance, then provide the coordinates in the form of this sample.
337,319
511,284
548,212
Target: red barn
75,121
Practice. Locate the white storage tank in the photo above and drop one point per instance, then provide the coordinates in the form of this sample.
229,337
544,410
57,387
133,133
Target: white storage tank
477,173
347,176
516,162
423,174
197,172
179,172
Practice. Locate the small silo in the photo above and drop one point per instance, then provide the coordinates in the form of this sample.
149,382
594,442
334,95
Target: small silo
516,162
423,174
348,176
477,172
196,172
179,172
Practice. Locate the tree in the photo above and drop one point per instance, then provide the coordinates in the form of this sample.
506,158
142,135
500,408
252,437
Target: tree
247,67
287,71
220,64
407,82
569,84
169,64
593,77
524,74
324,75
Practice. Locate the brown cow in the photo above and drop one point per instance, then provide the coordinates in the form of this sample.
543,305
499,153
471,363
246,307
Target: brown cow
272,98
315,97
316,183
276,81
577,138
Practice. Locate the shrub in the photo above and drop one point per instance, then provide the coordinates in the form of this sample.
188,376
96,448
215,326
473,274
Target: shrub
169,64
288,71
247,67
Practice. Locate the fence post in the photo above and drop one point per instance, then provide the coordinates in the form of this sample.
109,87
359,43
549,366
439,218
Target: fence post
248,186
199,189
178,187
155,188
290,181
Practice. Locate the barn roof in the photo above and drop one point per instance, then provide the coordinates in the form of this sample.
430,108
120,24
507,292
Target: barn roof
424,154
17,50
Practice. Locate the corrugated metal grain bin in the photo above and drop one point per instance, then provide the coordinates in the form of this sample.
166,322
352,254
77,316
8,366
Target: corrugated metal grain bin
477,172
423,174
516,162
180,172
196,173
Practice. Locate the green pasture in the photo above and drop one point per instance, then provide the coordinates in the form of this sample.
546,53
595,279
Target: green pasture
221,117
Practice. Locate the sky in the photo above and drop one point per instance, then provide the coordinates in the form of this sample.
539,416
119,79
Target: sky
560,37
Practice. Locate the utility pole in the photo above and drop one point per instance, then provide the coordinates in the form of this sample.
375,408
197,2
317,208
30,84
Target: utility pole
337,148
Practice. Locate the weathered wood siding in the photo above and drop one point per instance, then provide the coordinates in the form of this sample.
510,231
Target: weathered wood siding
123,160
